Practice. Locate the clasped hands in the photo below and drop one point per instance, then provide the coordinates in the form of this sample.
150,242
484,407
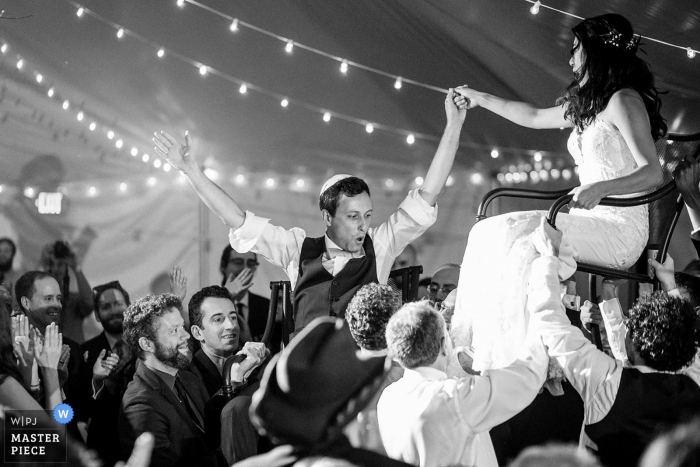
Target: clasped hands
29,344
255,353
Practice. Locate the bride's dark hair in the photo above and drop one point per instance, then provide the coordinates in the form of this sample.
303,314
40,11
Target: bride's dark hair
610,63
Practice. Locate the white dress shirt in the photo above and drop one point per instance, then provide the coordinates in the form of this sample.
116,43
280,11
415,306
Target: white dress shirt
429,419
595,375
282,247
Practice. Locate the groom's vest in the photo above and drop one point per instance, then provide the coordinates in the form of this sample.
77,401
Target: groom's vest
318,293
646,405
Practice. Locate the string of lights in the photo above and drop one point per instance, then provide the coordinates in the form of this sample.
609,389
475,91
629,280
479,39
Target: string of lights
537,4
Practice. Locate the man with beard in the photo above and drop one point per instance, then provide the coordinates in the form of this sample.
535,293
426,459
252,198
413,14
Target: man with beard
107,366
162,398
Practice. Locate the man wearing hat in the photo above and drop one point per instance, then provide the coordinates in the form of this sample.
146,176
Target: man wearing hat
325,272
311,390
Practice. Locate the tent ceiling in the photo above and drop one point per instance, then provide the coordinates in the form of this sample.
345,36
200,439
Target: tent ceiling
492,45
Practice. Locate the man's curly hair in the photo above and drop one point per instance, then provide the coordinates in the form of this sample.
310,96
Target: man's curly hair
369,312
140,318
665,331
414,334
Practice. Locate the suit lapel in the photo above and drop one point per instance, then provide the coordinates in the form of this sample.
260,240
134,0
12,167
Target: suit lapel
212,371
158,384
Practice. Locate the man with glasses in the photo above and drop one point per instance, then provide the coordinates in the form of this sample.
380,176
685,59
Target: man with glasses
444,281
238,270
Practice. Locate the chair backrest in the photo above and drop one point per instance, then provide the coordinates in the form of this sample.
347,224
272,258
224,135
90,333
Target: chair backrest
283,290
671,150
405,281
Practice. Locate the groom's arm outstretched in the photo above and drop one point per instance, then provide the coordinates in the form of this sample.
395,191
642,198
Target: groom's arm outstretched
216,199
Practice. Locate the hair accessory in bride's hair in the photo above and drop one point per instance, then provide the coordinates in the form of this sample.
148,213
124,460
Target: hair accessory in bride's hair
614,38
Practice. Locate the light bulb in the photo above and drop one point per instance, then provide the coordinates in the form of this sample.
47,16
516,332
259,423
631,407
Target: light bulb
166,167
240,179
92,191
50,93
157,163
555,174
66,104
326,117
538,156
161,53
119,144
20,64
494,153
80,12
344,67
288,48
450,180
477,178
93,125
410,139
120,33
80,116
691,52
243,89
270,182
300,183
419,181
203,70
151,181
134,152
110,134
39,78
145,158
509,177
535,8
122,187
284,103
369,128
3,49
389,183
397,83
234,25
181,3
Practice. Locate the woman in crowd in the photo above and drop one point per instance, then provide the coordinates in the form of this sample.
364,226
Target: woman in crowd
614,108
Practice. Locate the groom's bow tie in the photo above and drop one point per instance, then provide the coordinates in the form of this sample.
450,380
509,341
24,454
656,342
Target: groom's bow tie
338,252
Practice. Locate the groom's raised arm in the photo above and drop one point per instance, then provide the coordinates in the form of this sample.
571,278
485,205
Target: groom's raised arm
209,192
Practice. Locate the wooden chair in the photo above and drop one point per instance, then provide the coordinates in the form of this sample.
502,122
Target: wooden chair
665,207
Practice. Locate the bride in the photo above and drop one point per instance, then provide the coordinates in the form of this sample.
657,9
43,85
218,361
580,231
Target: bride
613,106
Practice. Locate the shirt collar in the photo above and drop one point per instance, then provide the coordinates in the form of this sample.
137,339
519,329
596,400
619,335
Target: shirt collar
215,359
167,378
425,372
333,250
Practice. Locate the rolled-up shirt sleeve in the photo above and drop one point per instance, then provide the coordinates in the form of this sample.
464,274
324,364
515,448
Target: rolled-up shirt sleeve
279,246
413,217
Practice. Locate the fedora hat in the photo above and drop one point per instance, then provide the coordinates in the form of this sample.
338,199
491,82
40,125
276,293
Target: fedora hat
317,384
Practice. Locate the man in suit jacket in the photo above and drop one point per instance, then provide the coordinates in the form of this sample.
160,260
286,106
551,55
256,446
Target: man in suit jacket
163,399
107,366
214,322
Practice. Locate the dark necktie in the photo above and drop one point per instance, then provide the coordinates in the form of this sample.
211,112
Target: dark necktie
188,403
122,350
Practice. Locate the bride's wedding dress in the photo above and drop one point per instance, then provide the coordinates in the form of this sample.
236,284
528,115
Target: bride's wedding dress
490,313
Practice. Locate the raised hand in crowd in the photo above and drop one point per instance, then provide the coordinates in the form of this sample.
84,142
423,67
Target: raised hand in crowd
48,351
178,282
178,155
240,284
23,345
104,365
279,456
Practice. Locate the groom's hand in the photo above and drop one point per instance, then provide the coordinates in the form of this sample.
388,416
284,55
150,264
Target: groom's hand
547,239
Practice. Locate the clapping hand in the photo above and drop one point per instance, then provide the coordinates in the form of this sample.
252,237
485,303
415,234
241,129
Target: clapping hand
178,282
23,340
173,152
104,366
240,284
48,353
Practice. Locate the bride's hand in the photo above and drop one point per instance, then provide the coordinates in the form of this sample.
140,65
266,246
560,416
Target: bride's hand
454,112
586,196
466,98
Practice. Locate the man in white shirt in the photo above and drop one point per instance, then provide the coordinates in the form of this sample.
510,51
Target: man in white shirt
428,419
623,405
326,272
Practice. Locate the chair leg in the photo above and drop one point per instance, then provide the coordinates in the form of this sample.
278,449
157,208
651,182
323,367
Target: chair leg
593,297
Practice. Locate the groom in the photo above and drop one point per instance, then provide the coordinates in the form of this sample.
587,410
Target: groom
325,272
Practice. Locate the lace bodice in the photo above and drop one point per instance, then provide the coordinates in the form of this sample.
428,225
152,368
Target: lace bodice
601,153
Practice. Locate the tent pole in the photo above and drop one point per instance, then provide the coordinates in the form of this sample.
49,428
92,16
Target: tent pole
204,245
